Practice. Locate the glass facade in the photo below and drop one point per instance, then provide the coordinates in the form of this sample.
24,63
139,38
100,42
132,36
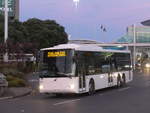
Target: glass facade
142,34
12,7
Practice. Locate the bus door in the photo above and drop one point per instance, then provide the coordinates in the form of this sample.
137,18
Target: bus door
110,73
107,71
110,78
82,79
80,71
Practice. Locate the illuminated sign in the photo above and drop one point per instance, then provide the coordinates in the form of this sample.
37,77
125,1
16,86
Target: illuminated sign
56,54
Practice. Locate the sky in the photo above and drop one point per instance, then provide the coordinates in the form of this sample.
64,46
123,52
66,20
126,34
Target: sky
85,20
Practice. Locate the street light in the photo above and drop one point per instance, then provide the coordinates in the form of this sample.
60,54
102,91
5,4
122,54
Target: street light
6,30
134,48
76,2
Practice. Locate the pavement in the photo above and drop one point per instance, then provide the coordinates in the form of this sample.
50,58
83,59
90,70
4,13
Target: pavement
16,92
133,98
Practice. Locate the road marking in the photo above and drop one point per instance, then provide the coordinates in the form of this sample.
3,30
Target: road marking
101,94
66,102
147,83
123,89
22,110
3,98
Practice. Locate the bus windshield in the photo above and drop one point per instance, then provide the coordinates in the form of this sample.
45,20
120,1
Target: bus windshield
56,63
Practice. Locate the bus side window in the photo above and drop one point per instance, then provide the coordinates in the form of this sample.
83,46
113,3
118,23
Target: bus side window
113,65
80,67
106,68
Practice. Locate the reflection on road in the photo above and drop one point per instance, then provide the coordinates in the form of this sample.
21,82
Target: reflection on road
146,71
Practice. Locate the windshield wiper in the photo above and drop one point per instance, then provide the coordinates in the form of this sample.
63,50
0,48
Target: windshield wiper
43,75
64,74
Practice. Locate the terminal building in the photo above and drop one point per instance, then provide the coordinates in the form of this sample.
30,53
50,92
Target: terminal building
13,6
141,42
136,36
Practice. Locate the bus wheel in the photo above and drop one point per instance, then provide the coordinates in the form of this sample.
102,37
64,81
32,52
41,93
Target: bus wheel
58,94
119,82
1,91
91,87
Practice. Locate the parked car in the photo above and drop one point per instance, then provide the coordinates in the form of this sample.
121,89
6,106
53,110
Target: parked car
3,83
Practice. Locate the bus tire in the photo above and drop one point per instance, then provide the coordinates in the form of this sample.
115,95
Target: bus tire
91,87
119,82
58,94
1,91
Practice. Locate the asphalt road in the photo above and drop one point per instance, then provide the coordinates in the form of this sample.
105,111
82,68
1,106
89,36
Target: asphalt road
134,98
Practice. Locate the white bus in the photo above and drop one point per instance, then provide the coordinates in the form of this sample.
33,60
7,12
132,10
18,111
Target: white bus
81,68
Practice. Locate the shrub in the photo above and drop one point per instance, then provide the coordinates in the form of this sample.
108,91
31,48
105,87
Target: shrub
15,81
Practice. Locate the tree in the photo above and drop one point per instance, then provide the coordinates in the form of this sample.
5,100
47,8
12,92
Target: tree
32,35
17,32
45,33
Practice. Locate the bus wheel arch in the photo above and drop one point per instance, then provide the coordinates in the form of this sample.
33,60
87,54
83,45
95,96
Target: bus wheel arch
1,90
91,86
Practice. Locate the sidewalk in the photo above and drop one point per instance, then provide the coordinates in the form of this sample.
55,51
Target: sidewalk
16,92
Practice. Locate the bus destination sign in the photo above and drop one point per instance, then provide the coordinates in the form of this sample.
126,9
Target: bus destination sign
56,54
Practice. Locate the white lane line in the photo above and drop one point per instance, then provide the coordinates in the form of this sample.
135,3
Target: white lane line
101,94
147,83
22,110
123,89
3,98
65,102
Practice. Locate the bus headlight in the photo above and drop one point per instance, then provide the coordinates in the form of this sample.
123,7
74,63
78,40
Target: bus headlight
147,65
115,75
41,87
72,86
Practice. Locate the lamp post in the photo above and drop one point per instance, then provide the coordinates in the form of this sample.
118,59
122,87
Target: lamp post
76,2
6,30
134,47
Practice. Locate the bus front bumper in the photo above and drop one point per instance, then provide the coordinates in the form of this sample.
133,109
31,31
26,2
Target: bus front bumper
71,89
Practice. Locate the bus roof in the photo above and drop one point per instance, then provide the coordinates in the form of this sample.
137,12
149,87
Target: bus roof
84,47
